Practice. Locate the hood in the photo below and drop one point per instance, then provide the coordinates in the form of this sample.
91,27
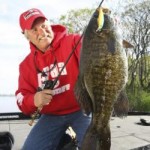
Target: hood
59,32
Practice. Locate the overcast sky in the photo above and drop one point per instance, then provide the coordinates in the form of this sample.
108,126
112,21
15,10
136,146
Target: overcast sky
13,46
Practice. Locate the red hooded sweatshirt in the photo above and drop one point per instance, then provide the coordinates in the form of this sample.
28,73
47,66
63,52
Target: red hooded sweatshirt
50,62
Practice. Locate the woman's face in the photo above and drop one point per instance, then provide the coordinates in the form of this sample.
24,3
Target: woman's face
41,34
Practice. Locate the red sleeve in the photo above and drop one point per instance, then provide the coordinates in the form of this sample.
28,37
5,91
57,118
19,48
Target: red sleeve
25,93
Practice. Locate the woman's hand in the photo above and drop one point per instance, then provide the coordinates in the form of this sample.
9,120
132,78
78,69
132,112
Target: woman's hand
43,97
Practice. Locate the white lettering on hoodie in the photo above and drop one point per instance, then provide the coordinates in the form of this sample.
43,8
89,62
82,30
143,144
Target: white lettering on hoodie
53,72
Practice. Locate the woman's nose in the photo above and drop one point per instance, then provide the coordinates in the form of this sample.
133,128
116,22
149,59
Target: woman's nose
41,31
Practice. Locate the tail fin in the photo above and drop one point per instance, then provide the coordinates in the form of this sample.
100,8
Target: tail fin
97,140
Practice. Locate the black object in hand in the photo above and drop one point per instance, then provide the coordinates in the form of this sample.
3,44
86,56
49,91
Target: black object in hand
49,84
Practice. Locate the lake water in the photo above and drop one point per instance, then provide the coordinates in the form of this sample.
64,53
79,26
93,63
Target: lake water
8,104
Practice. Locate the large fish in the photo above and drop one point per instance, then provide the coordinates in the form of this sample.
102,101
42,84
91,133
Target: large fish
103,74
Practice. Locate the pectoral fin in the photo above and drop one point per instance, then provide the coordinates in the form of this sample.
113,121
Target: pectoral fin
83,97
126,44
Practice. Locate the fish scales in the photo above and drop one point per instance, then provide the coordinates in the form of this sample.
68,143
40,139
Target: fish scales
103,74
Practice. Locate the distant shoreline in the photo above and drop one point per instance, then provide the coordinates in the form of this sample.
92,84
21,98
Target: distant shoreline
7,95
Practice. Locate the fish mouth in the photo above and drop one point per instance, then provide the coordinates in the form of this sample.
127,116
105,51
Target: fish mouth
101,13
108,25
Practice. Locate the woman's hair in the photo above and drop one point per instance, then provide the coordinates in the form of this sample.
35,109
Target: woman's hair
26,34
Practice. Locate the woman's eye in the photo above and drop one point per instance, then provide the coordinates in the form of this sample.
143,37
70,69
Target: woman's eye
34,30
43,26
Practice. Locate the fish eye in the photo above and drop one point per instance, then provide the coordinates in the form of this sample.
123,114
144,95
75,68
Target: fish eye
96,14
